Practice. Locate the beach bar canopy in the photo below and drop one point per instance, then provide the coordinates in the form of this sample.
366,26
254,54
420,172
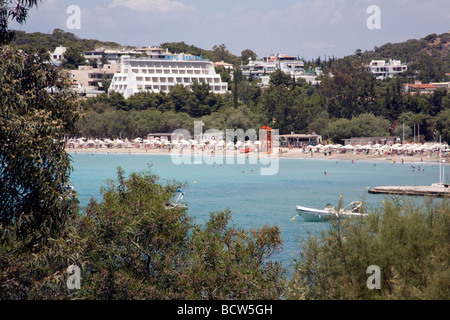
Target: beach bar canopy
298,140
161,136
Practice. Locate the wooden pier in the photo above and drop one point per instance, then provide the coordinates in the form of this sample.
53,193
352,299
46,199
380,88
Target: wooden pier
435,190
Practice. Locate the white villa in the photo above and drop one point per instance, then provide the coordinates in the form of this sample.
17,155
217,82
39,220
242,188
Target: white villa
382,69
158,73
57,56
290,65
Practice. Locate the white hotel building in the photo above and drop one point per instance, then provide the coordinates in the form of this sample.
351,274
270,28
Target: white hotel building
158,73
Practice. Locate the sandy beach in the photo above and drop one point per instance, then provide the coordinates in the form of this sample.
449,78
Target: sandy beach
284,153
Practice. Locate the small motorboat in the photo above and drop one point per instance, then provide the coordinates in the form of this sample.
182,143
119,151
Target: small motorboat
329,212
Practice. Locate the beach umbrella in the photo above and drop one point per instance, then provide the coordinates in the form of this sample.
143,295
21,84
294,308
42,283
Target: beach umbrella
258,142
416,147
376,145
185,142
348,147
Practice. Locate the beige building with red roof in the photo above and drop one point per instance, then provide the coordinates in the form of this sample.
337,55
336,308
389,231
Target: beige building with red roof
419,88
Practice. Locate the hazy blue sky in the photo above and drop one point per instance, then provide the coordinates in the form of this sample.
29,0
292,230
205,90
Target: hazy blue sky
308,28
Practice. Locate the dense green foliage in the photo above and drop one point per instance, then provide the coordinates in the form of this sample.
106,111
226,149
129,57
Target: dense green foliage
37,42
72,59
37,237
138,249
143,113
37,110
409,243
10,11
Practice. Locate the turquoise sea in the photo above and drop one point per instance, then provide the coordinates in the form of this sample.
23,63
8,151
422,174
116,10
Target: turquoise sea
254,199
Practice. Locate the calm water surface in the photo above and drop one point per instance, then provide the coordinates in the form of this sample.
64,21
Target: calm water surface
254,199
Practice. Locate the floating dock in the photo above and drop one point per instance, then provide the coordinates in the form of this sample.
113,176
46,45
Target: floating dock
435,190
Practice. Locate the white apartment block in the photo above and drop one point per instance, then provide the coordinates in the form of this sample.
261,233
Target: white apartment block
382,69
157,74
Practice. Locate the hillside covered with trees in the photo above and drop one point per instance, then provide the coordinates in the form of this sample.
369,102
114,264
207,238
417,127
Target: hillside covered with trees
348,102
40,42
428,58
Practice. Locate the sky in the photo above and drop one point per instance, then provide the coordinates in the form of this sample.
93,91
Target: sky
304,28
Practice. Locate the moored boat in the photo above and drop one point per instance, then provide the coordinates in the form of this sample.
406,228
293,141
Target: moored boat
176,204
329,212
